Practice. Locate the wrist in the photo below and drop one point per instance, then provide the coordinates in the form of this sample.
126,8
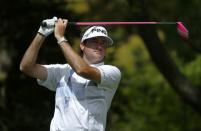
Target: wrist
61,40
42,35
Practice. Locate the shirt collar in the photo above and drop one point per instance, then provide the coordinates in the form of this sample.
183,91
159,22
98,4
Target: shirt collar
98,64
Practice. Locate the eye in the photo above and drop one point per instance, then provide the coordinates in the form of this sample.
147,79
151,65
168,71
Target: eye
95,41
104,41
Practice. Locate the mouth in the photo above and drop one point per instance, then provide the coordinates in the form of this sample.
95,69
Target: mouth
97,51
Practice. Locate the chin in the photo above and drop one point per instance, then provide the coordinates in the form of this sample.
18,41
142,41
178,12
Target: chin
100,60
96,61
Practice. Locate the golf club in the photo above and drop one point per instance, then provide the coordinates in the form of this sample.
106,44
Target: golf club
181,29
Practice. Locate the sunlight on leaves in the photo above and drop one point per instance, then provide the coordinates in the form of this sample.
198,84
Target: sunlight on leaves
131,54
78,6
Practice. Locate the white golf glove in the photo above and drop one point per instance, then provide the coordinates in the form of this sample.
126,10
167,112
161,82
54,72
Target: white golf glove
48,28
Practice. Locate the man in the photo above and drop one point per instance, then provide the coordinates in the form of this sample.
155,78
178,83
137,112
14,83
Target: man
84,87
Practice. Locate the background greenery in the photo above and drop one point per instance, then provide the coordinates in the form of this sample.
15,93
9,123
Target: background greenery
146,100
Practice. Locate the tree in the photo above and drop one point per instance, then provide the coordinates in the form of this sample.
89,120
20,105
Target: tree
151,63
188,92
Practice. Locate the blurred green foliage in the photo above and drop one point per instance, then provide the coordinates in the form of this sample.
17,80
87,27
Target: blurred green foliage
144,100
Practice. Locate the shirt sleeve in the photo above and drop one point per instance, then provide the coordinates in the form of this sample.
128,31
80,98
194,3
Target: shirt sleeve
54,74
110,76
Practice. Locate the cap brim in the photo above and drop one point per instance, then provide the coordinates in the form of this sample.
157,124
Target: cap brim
109,41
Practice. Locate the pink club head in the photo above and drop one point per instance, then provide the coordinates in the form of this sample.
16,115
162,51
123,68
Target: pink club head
181,29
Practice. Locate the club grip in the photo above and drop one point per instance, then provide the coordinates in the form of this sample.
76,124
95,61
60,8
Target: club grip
45,24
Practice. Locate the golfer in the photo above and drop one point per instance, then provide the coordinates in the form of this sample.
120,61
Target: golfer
84,86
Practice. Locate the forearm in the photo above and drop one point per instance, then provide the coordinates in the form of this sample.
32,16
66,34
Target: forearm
77,63
30,56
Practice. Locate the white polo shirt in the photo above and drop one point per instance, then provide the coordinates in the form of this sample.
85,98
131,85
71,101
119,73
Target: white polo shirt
81,104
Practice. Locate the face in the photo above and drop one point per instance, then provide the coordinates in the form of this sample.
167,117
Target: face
94,50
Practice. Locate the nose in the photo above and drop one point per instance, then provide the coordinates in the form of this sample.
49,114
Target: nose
100,45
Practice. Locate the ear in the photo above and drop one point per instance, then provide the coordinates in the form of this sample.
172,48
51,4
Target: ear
82,45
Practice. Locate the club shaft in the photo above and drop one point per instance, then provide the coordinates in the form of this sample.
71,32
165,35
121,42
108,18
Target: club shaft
182,30
119,23
112,23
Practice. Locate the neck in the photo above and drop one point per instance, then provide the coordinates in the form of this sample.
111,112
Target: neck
86,60
91,62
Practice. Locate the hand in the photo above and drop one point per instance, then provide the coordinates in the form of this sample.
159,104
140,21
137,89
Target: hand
60,27
47,30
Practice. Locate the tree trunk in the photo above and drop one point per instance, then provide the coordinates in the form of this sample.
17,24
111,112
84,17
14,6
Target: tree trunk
158,53
167,67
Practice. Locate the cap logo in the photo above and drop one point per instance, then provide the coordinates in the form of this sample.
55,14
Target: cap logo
95,29
99,30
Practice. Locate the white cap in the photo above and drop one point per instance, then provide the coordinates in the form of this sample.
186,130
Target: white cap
96,31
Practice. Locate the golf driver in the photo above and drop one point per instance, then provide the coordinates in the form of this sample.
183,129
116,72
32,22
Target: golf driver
181,29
